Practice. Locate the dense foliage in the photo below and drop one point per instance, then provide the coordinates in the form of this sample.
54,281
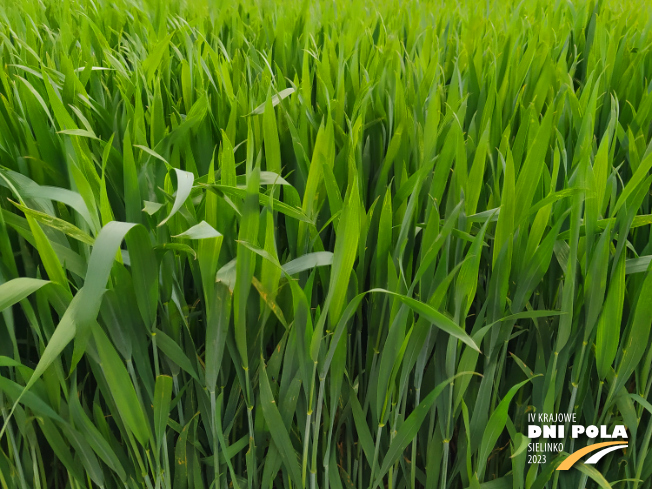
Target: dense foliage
331,244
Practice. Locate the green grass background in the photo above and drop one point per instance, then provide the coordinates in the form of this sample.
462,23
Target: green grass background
330,244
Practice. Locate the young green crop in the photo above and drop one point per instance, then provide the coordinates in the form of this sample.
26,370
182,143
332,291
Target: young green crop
326,245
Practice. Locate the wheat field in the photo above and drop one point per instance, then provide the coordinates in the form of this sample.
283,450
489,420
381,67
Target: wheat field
322,244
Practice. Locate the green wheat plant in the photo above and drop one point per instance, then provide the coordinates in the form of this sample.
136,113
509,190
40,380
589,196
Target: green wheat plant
322,244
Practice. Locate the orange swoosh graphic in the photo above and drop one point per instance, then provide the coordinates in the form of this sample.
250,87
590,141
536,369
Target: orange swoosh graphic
575,456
